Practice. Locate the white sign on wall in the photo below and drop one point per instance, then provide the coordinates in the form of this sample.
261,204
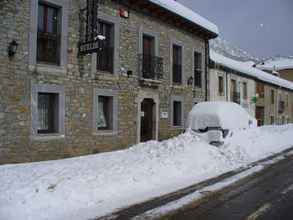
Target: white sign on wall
164,115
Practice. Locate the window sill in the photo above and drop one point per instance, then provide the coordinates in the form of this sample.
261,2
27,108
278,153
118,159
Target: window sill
177,127
47,137
178,86
105,133
48,69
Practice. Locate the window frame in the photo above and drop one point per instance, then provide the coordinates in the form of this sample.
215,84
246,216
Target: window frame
181,100
46,88
179,44
201,69
105,93
64,12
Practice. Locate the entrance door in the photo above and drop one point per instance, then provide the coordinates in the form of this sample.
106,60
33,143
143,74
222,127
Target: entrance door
147,120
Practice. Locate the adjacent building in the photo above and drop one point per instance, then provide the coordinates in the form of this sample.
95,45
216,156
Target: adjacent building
265,96
55,103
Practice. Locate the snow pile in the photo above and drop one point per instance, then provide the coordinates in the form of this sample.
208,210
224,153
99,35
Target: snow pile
92,186
227,115
186,13
244,68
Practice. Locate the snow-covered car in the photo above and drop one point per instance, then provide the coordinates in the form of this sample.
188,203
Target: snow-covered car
214,121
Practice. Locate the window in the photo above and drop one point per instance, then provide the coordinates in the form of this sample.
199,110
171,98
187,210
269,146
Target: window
148,55
105,56
244,90
48,110
197,69
105,110
177,113
104,113
272,97
260,89
272,120
221,85
48,113
177,64
48,37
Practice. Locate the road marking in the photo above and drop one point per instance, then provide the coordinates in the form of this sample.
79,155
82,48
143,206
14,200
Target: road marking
285,191
259,212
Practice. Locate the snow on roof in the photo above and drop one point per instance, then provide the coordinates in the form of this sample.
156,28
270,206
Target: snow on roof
244,68
227,115
277,64
187,13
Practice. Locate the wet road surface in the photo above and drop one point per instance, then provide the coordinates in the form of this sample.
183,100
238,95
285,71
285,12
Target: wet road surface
268,196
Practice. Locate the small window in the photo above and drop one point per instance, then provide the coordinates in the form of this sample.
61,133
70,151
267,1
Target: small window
272,97
177,113
48,113
221,85
272,120
105,56
48,37
104,117
244,90
177,64
197,69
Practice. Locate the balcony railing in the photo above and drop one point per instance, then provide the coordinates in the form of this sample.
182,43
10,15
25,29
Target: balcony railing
235,97
150,67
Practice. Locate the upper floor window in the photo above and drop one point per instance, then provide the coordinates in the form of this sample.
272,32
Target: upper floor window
260,89
48,37
221,85
197,69
272,97
148,55
244,90
105,56
177,64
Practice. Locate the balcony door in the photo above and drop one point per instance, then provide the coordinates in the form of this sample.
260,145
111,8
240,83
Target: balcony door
148,56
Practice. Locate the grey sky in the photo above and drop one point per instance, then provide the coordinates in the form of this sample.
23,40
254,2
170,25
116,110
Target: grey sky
261,27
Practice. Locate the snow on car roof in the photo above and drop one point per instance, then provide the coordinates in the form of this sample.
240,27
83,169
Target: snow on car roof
187,13
277,64
247,69
227,115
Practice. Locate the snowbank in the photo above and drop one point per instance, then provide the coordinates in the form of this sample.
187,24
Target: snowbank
91,186
245,68
227,115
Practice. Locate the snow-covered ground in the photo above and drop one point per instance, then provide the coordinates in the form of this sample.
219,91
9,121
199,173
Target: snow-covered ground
91,186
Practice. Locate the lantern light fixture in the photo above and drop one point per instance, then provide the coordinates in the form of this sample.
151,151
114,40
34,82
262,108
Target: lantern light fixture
12,48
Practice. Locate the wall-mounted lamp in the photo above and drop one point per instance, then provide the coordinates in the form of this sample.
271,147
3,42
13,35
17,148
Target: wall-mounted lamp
12,48
190,81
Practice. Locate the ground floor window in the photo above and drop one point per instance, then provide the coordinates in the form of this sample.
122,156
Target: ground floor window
176,111
48,109
48,113
105,110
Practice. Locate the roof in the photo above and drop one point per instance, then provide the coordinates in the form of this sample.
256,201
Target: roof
247,69
181,10
277,64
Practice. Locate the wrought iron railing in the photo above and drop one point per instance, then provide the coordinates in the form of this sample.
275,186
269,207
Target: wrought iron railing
150,67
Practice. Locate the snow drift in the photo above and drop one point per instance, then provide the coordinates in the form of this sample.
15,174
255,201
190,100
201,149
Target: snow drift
92,186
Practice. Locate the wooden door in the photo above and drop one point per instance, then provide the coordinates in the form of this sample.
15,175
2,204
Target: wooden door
147,120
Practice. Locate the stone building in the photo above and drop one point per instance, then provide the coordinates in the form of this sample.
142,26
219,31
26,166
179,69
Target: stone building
139,86
265,96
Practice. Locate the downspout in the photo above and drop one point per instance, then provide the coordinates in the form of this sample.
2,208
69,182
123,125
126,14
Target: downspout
227,86
207,56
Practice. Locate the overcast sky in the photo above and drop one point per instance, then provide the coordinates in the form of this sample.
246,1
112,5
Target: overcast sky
261,27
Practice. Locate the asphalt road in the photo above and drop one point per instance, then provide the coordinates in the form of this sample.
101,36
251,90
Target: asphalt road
267,196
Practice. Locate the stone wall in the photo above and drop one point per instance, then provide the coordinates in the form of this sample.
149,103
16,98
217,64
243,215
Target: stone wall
79,79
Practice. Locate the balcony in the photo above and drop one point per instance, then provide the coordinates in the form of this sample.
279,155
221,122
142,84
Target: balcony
235,97
150,69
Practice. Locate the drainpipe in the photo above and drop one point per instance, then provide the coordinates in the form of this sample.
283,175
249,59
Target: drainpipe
207,56
227,86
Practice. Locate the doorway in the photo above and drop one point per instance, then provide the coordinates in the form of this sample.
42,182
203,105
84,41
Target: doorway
148,120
